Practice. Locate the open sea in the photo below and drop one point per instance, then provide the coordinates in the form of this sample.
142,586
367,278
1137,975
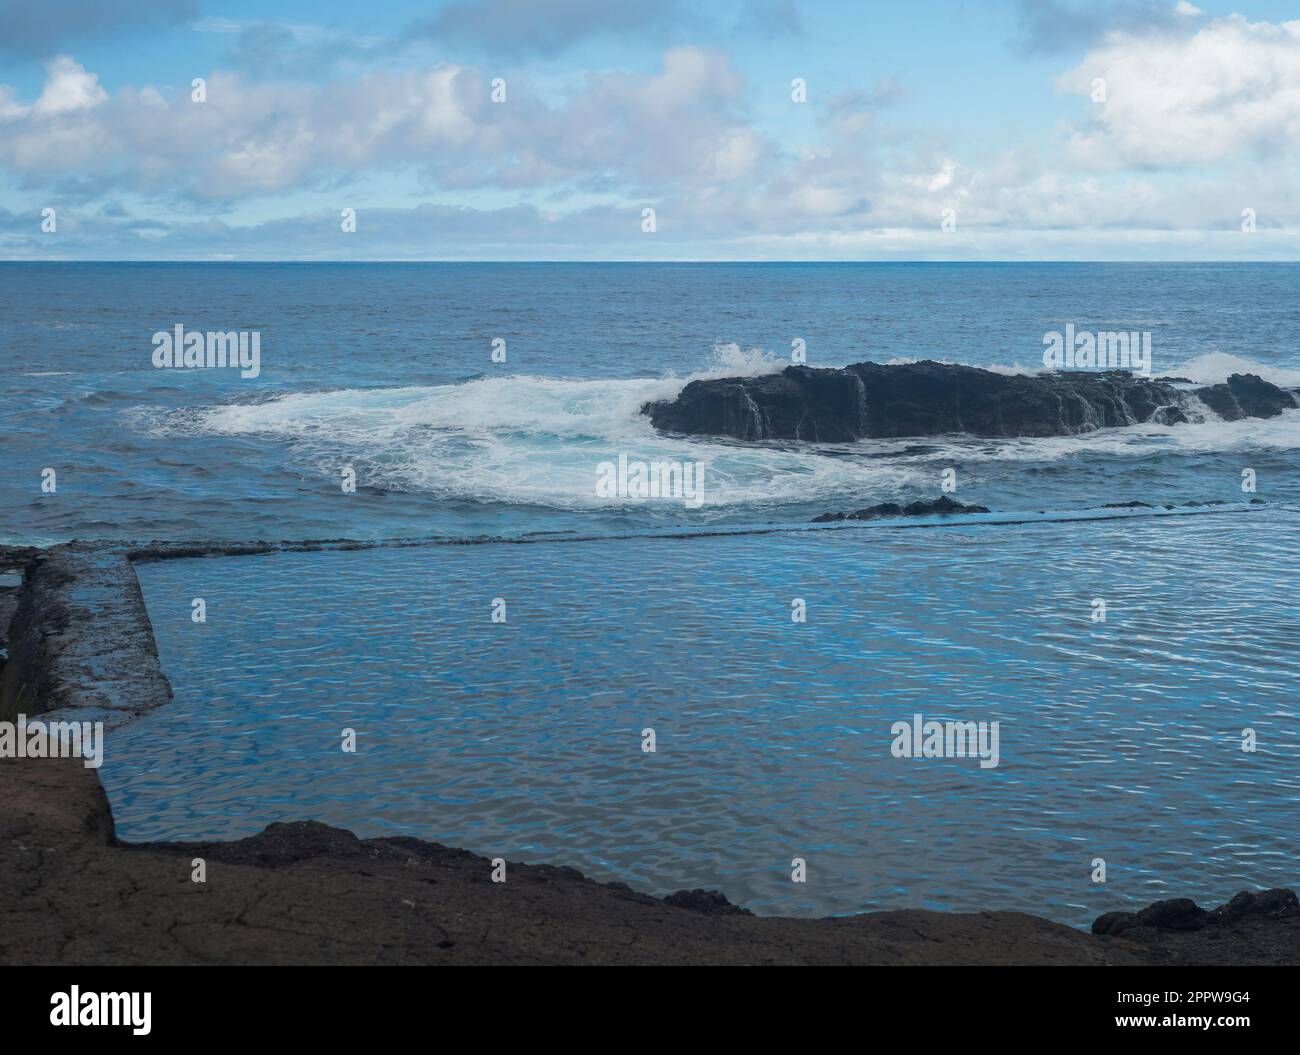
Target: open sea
1120,740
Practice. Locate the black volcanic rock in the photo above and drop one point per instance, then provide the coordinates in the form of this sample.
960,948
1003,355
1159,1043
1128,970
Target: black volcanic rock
1180,913
943,505
1114,923
1183,914
833,405
1272,904
710,902
1246,396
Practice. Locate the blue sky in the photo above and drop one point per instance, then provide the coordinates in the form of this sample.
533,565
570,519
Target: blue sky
982,114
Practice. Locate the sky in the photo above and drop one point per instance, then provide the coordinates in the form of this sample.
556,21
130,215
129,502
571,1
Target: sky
545,130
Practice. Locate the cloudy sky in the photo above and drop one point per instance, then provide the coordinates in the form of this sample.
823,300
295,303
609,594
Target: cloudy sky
986,108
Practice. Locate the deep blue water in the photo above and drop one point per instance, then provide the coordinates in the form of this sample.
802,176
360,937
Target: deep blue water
1120,740
386,368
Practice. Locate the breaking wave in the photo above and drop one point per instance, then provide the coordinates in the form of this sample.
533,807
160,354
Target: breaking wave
537,440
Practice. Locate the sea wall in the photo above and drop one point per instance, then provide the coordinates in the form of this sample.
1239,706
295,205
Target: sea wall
81,646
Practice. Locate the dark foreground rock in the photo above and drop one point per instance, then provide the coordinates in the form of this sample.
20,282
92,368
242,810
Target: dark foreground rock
309,893
941,506
1178,931
833,405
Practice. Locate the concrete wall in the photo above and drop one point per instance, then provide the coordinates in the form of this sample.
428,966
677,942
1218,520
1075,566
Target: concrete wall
80,641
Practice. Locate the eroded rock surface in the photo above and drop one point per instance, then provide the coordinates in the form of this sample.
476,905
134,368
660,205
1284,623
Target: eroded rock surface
834,405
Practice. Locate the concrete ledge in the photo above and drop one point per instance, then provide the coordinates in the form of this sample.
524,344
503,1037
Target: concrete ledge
81,646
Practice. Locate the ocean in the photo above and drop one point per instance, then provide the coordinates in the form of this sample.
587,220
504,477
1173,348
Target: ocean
1121,741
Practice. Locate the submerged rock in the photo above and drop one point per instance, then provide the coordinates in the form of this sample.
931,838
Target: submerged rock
943,506
836,405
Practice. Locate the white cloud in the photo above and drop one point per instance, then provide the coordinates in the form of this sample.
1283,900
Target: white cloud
680,138
1230,89
683,123
942,178
67,87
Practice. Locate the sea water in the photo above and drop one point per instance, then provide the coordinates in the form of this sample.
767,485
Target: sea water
1121,740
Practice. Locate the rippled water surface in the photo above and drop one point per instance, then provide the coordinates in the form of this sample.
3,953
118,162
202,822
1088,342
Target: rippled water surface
1119,740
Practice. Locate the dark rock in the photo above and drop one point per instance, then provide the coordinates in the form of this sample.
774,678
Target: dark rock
710,902
833,405
1274,904
1176,914
1127,505
942,505
1114,923
1180,913
1246,396
1238,906
280,844
1261,926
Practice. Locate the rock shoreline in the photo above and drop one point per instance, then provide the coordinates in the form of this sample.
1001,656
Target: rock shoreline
304,892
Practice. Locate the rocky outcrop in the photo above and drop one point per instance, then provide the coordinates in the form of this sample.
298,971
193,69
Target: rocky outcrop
1178,931
941,506
1246,396
710,902
1183,914
834,405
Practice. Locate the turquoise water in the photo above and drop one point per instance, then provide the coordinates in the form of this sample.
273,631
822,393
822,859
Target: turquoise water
1118,740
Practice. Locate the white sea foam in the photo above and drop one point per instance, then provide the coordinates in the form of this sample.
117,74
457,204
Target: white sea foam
1213,368
537,440
1211,436
533,439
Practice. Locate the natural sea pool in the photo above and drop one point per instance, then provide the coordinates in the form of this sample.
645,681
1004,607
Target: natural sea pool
1119,740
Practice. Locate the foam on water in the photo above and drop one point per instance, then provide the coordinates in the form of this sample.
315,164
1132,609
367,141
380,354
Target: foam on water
534,440
1214,368
538,440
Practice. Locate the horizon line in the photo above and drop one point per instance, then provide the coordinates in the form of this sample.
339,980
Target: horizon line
460,260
